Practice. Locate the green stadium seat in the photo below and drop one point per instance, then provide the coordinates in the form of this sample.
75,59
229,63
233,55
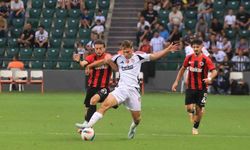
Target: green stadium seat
67,53
61,13
84,33
73,23
71,33
92,14
2,52
46,23
84,41
191,14
50,65
18,23
190,24
230,34
105,13
233,4
219,14
75,65
55,43
39,53
38,4
69,43
48,13
11,52
1,64
37,64
51,4
59,23
246,4
90,4
219,5
12,43
25,53
163,14
74,13
244,33
164,22
64,65
52,53
16,32
3,42
57,33
34,22
35,13
103,4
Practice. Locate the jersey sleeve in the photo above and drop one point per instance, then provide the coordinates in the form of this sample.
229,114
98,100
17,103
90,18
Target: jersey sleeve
115,57
89,59
210,64
144,57
185,63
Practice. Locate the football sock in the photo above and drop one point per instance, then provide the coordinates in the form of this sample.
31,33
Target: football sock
90,112
96,116
196,124
133,125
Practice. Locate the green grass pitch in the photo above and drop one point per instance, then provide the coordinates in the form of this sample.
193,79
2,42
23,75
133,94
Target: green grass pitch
31,121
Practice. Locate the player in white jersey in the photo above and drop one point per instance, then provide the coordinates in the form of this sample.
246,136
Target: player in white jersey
189,50
127,92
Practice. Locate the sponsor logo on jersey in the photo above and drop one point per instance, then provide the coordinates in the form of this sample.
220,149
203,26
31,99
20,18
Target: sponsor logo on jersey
192,69
101,67
127,67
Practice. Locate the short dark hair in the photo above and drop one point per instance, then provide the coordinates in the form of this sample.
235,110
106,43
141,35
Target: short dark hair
127,44
196,41
41,26
99,42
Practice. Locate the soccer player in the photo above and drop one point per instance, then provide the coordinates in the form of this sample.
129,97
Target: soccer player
127,92
98,83
198,65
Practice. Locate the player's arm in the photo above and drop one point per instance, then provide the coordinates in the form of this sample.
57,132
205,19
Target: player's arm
164,52
76,58
211,77
178,78
107,61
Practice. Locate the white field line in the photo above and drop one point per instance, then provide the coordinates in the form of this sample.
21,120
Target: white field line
124,134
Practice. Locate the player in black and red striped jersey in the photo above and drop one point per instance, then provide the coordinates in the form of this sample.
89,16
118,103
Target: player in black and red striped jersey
198,66
98,82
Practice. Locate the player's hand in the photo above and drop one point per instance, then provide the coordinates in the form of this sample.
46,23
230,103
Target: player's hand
174,46
207,80
76,57
174,86
87,70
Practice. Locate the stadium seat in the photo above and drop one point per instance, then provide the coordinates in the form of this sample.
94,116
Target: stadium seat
61,13
22,78
219,14
91,14
16,32
67,53
219,5
230,34
84,33
5,78
190,24
246,4
12,43
105,13
163,14
191,14
64,65
90,4
71,33
50,65
51,4
48,13
11,52
233,4
3,42
46,23
55,43
36,77
103,4
25,53
75,65
52,53
34,22
39,53
36,64
73,23
38,4
57,33
59,23
68,43
2,52
35,13
164,22
84,41
244,33
74,13
236,76
18,23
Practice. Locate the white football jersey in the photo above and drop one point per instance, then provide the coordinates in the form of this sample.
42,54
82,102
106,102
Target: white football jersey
129,69
189,50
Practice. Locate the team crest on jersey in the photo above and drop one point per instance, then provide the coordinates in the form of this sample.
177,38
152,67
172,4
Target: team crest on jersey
201,63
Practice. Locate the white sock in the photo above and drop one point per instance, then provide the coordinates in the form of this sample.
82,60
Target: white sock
133,125
96,116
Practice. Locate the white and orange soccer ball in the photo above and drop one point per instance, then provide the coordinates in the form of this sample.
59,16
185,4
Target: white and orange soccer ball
88,134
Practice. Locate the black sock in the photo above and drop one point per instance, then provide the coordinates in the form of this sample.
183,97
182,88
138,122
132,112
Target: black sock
196,124
90,112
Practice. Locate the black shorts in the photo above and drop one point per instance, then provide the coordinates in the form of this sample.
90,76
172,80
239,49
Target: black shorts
198,97
102,92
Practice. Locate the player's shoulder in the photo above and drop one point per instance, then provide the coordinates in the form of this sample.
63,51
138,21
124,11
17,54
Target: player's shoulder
91,56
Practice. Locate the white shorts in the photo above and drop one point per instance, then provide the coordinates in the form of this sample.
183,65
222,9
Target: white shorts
130,97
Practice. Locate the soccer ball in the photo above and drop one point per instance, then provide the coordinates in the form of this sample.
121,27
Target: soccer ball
88,134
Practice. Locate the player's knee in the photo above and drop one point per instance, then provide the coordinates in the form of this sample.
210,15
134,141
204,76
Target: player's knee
190,110
94,101
137,120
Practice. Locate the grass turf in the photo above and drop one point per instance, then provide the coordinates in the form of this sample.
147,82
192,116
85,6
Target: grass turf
42,122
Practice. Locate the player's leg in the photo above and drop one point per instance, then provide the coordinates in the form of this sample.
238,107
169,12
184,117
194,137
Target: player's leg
190,103
109,102
136,115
